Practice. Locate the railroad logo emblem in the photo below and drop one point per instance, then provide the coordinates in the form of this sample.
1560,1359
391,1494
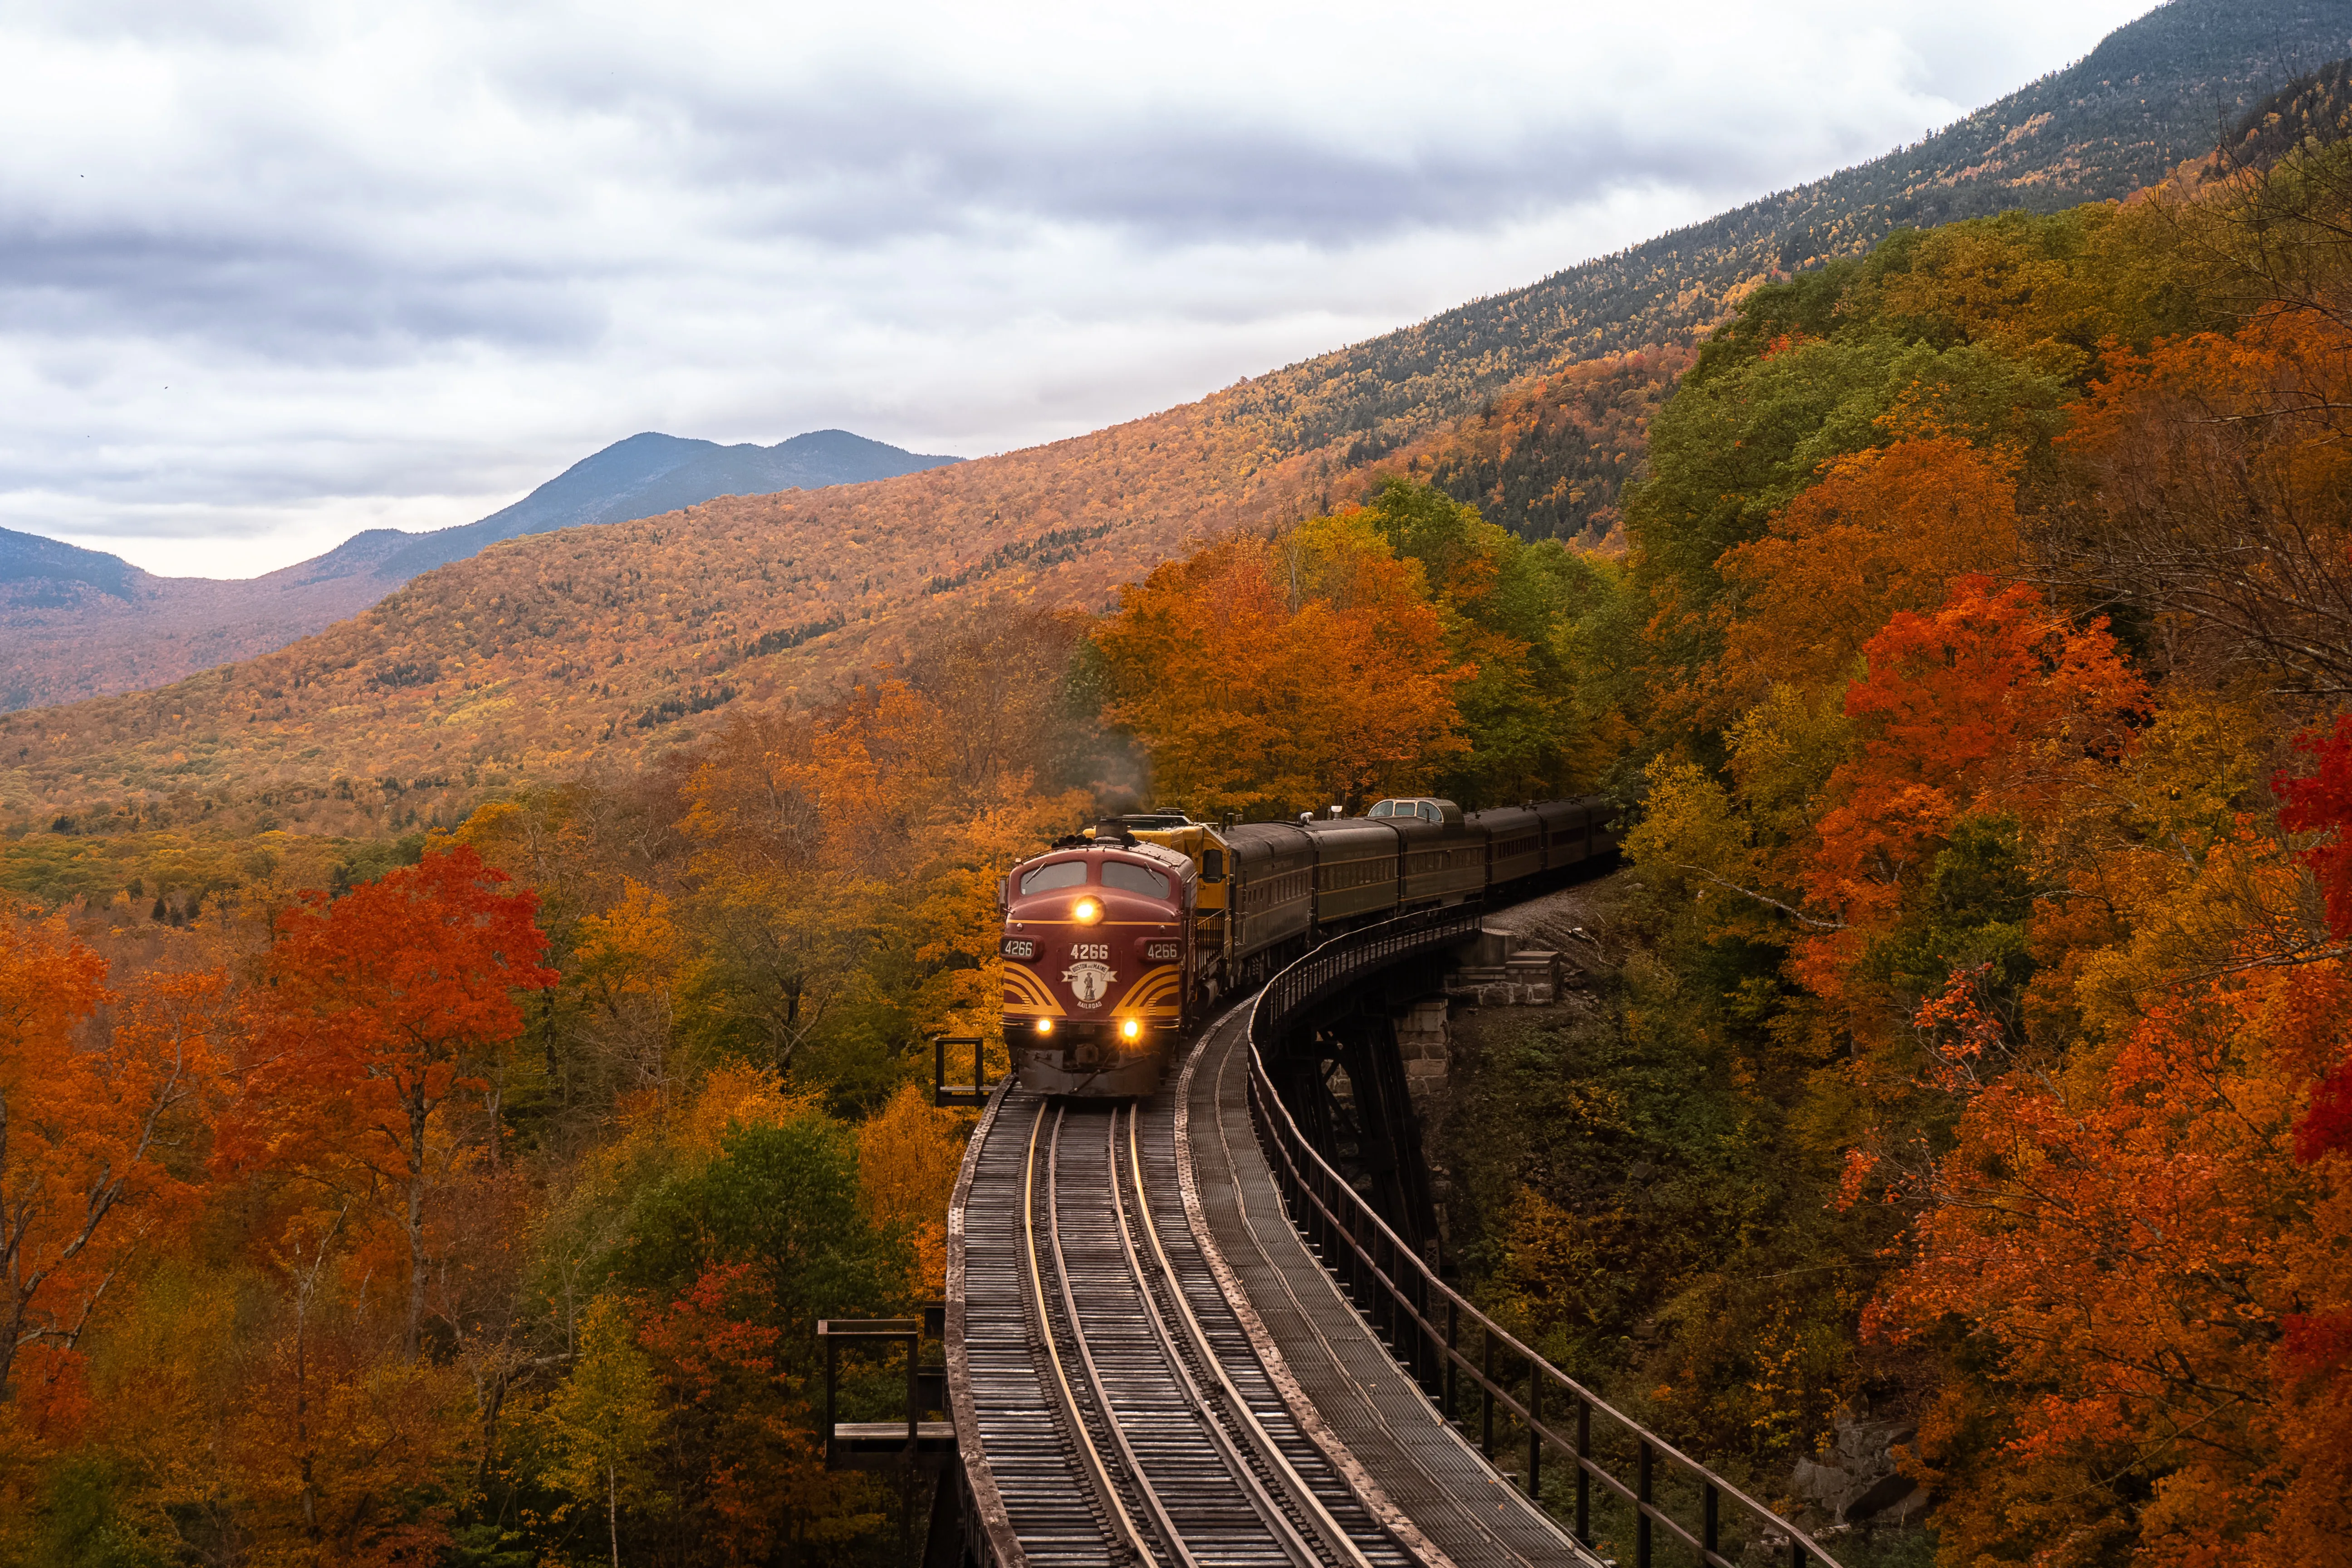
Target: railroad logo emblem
1088,982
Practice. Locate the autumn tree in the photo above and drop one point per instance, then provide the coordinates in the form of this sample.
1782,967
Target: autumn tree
384,1006
628,964
339,1449
602,1424
1885,529
908,1155
2319,803
2209,478
832,848
757,1228
1269,676
1539,699
99,1124
1992,703
2157,1289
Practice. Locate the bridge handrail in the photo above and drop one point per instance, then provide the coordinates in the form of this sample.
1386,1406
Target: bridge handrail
1309,980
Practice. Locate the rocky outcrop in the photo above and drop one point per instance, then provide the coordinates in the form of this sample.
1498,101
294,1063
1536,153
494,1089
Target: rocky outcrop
1859,1480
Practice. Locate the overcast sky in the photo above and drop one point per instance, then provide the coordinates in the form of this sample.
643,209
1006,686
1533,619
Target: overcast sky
271,274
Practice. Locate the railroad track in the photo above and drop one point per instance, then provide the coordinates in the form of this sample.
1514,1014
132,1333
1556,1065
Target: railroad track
1121,1427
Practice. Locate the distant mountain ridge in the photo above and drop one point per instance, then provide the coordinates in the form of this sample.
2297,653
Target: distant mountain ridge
649,474
2155,93
28,558
580,649
78,623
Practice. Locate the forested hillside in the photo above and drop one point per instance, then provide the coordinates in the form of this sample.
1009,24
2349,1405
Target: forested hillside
2155,93
542,654
80,622
1549,456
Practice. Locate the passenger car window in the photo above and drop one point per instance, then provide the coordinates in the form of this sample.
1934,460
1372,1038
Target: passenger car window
1057,874
1134,879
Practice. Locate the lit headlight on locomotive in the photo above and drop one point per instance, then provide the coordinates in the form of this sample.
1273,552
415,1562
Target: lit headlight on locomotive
1098,951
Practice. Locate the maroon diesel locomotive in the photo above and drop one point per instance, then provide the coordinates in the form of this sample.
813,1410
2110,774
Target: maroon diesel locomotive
1116,942
1099,963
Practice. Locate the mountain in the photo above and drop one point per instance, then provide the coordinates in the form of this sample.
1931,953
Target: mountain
78,623
37,570
2155,93
650,474
564,651
2318,106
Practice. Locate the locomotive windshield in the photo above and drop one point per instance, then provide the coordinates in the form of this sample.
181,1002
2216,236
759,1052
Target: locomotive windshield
1131,877
1054,874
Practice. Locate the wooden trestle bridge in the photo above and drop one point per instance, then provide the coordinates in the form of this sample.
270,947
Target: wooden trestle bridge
1175,1334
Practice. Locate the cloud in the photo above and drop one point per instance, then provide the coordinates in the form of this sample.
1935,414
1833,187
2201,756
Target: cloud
270,273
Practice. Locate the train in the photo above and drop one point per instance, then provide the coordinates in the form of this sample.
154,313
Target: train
1119,939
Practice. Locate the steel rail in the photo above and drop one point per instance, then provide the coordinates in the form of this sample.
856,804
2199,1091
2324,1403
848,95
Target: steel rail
1131,1535
1310,978
1335,1535
1468,1516
1261,1500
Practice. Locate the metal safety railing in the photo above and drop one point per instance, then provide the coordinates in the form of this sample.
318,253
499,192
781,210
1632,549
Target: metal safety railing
1428,1323
943,1093
868,1445
1338,963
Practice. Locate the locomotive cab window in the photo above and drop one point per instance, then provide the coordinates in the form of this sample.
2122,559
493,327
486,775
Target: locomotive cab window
1133,878
1212,866
1056,874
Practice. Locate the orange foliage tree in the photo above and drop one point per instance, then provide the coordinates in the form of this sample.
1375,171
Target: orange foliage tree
2155,1286
878,825
383,1007
908,1155
1885,529
1274,675
2213,488
89,1120
1992,702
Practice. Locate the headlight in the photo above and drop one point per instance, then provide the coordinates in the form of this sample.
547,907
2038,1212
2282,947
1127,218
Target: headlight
1044,1025
1085,911
1162,951
1131,1030
1017,947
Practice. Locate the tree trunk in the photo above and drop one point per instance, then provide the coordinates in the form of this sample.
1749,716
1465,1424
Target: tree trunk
613,1509
12,1324
302,1412
419,1108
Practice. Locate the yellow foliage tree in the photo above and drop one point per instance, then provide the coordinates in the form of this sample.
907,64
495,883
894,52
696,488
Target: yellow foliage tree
908,1156
602,1423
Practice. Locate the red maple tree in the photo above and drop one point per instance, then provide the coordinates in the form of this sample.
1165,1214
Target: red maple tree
383,1006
